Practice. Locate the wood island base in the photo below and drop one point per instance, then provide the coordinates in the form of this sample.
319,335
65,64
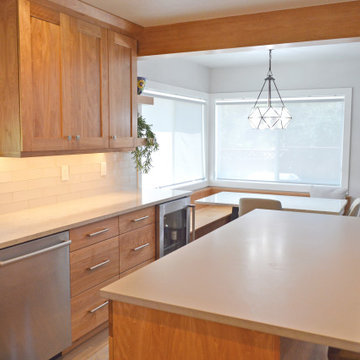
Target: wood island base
138,333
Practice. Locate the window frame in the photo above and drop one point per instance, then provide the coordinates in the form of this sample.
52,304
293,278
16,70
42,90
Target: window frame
154,88
277,186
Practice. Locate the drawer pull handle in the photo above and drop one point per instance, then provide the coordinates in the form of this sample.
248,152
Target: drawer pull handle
99,307
141,247
99,265
98,232
139,219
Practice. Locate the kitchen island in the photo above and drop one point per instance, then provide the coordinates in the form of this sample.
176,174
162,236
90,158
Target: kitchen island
238,292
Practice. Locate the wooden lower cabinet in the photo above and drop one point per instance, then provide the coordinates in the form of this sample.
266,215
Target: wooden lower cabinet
136,247
136,219
89,310
93,265
101,252
93,233
137,267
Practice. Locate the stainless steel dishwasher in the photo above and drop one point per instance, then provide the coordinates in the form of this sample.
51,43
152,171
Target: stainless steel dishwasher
35,315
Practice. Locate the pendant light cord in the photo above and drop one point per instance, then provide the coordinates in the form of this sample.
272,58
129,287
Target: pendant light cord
270,78
270,72
269,117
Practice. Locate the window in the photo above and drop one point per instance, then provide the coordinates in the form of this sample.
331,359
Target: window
313,150
178,123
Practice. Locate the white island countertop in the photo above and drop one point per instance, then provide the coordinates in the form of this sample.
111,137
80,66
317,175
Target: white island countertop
289,274
20,226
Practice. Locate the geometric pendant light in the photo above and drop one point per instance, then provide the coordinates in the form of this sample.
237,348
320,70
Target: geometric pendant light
268,116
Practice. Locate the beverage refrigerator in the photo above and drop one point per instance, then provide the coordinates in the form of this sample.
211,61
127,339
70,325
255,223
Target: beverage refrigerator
173,225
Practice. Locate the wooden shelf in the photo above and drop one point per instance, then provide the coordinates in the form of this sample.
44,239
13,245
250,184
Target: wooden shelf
140,141
145,100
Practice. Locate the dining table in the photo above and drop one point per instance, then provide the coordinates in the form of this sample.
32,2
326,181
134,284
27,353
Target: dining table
289,203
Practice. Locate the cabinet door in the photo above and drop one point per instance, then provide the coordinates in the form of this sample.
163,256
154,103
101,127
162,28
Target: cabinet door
85,83
122,91
40,76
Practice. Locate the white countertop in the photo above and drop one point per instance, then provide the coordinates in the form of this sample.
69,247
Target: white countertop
290,203
25,225
285,273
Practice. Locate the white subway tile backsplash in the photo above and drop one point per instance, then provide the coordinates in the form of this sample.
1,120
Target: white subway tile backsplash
6,198
85,168
5,177
30,182
42,183
90,176
13,206
66,197
49,200
13,186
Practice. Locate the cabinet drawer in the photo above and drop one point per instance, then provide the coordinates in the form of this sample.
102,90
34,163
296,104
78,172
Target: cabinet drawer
137,267
136,247
89,310
136,219
94,264
92,233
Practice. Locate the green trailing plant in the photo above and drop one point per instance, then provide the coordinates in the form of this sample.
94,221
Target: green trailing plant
142,154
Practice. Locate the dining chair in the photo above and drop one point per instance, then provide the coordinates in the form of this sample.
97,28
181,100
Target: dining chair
354,208
248,204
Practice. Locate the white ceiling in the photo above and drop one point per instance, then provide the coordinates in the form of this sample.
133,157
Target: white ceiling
259,56
159,12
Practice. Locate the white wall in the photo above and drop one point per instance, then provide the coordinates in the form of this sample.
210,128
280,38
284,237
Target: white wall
175,72
304,75
320,74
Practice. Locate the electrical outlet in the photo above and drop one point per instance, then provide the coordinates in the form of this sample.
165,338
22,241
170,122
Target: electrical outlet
103,168
65,173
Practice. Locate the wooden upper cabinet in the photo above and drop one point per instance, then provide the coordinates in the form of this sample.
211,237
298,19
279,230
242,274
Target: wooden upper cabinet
67,85
122,90
65,82
84,61
40,76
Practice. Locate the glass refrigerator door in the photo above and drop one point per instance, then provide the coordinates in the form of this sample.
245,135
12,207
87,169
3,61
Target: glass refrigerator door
175,230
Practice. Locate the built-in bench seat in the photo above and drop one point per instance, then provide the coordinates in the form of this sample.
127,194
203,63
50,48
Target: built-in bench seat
210,217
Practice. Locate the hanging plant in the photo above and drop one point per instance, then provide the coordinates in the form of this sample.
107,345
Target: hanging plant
142,154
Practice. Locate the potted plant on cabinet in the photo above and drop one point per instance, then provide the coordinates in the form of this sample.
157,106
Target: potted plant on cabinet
142,154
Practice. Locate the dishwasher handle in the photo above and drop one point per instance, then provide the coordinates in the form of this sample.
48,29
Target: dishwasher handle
42,251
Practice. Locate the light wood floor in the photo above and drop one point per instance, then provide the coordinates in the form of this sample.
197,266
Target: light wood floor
97,348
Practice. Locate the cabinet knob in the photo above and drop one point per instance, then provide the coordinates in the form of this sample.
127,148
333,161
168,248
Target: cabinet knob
114,137
77,137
